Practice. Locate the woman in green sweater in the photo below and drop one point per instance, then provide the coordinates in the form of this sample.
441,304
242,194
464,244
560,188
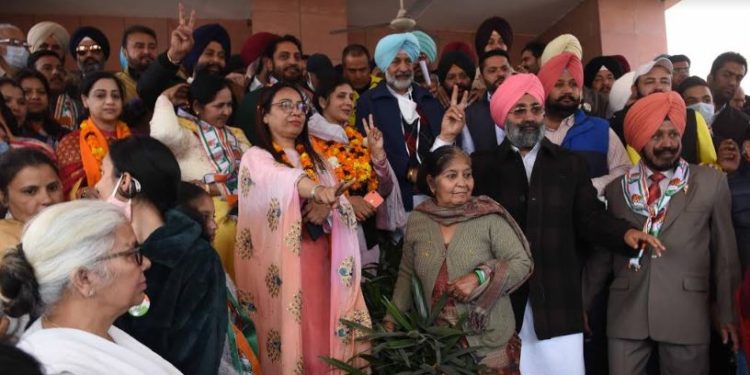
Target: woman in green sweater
471,249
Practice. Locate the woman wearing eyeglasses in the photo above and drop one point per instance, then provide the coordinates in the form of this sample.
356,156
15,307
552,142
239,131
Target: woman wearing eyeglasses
79,268
80,153
297,279
187,320
207,148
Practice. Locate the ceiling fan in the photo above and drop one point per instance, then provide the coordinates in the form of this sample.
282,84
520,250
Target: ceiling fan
406,19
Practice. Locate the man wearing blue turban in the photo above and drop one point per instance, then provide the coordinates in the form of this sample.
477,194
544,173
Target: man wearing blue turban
407,114
204,48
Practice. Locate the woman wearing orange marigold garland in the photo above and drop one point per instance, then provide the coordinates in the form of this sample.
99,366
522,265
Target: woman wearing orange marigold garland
351,156
80,153
297,283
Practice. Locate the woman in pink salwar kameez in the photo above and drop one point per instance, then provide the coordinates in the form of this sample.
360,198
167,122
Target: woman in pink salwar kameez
297,260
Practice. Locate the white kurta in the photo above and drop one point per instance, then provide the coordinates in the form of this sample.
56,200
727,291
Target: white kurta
68,350
558,355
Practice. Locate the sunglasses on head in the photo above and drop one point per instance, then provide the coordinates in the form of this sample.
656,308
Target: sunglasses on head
94,48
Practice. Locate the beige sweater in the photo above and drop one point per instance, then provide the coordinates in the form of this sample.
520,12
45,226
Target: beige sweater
187,148
475,241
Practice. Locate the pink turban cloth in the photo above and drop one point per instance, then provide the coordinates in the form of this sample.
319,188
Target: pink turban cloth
648,113
554,68
512,90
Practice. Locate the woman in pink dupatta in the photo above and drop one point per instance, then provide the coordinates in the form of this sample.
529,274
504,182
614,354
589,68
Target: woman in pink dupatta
298,288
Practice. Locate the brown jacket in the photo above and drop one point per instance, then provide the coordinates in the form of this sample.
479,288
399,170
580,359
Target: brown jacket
669,299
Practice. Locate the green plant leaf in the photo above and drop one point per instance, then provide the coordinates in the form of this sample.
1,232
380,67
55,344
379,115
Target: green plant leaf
437,308
396,314
418,298
342,366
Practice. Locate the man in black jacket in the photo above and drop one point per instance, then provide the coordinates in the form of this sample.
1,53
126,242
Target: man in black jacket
548,191
727,72
205,48
481,133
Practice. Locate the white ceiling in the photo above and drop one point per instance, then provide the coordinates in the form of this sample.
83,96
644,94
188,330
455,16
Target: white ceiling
526,16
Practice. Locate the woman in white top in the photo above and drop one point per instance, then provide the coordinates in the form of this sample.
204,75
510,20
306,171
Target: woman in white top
77,269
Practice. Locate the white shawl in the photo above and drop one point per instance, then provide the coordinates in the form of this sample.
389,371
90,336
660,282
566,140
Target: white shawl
78,352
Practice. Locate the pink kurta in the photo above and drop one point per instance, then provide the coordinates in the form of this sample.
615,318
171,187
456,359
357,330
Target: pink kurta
296,289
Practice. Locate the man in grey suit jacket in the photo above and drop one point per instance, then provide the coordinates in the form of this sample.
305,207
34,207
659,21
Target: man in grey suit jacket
667,302
480,132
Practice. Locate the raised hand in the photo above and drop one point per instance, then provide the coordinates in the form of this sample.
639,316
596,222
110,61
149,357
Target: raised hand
453,119
181,41
374,139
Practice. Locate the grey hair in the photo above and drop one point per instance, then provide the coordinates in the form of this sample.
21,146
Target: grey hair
67,237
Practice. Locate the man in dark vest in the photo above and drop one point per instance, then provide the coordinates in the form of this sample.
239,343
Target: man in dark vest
481,133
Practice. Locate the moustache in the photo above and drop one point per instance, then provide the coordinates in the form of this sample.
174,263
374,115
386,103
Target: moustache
665,150
567,96
404,75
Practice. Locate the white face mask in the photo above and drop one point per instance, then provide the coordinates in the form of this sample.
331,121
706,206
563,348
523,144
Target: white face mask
126,207
16,56
408,109
705,109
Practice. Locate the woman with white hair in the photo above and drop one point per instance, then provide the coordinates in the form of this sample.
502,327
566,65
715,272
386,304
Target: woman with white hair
79,267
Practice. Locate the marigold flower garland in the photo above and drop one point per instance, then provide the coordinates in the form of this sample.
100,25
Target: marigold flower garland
350,161
304,159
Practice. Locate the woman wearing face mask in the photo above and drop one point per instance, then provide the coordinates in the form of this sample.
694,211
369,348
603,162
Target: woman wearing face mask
471,249
78,269
80,153
353,157
39,124
187,321
28,184
298,283
207,148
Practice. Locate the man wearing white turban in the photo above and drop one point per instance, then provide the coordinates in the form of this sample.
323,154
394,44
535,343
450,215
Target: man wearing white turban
48,35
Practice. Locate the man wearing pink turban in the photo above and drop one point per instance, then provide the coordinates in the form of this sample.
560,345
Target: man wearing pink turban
568,126
666,305
548,191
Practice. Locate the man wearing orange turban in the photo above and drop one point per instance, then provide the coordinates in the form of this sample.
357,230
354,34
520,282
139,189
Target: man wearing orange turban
654,77
665,306
568,126
547,189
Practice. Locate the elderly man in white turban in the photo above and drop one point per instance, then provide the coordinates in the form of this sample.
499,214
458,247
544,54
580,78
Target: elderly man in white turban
410,118
48,35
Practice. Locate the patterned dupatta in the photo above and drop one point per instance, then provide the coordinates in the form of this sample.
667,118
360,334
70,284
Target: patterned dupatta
268,265
635,189
221,147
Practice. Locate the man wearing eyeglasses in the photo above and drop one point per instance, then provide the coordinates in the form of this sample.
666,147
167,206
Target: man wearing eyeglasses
548,191
14,51
90,47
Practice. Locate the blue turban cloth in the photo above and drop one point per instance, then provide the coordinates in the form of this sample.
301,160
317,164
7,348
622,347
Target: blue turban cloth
92,32
391,45
203,36
426,45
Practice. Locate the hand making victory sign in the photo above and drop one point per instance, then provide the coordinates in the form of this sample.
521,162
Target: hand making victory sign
453,119
181,41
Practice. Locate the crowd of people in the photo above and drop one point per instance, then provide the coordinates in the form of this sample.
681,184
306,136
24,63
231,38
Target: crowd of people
199,212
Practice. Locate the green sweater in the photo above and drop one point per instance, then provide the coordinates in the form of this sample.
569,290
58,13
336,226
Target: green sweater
475,241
